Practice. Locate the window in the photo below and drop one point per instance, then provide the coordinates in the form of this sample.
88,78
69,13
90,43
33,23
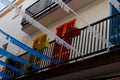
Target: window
2,6
38,7
5,46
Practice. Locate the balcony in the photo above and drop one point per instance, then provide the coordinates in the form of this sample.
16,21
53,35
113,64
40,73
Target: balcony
92,62
46,14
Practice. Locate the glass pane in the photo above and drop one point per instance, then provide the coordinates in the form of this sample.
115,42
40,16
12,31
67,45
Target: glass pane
38,6
2,6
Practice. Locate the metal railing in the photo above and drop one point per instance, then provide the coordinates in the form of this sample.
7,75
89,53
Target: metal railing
85,43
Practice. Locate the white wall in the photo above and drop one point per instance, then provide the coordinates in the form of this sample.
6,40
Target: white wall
91,13
94,12
13,27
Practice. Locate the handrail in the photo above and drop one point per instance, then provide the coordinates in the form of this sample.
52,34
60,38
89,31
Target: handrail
85,27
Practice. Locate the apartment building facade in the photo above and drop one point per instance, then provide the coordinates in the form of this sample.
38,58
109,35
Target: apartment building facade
92,60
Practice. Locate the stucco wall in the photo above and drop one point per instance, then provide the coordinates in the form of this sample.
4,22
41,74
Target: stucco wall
91,13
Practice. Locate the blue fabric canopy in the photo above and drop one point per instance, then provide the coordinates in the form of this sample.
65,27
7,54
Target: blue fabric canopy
5,76
11,67
15,58
28,49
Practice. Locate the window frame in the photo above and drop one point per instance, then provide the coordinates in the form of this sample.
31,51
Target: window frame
6,6
7,10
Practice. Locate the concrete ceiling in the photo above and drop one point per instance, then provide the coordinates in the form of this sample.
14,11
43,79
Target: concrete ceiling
98,72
